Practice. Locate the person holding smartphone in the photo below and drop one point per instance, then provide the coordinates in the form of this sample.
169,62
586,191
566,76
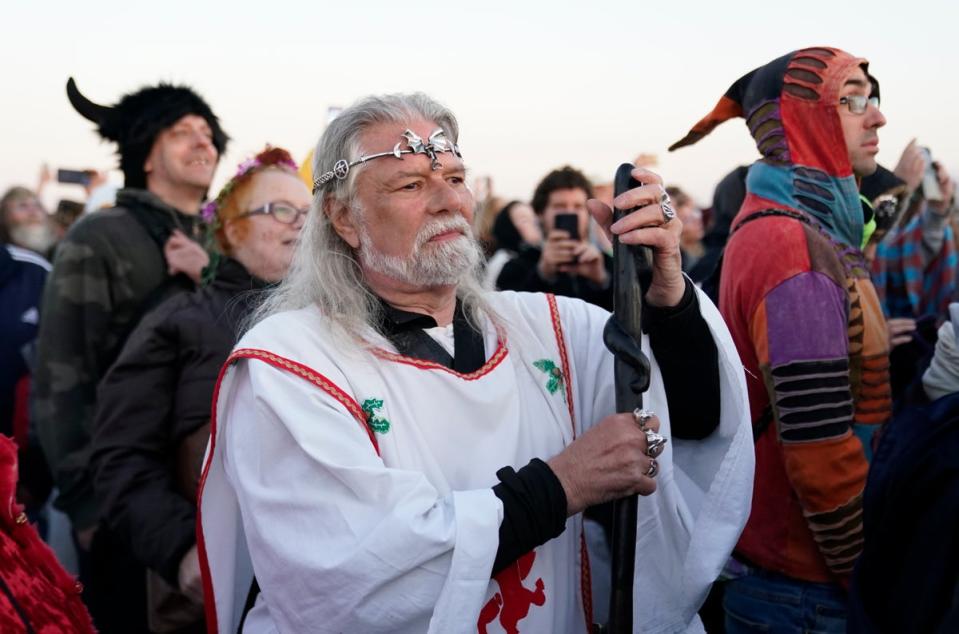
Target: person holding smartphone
567,264
915,265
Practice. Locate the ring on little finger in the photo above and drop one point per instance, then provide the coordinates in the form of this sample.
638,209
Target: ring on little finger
653,469
668,212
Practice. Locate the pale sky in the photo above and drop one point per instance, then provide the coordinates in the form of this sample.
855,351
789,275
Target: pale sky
535,85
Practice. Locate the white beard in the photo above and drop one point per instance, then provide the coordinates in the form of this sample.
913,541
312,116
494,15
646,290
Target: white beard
443,264
37,238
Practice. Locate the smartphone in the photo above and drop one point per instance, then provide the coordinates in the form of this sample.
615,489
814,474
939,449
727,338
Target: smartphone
568,223
930,180
76,177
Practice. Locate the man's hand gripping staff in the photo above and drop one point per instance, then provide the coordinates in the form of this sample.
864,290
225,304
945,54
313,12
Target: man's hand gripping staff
622,335
616,459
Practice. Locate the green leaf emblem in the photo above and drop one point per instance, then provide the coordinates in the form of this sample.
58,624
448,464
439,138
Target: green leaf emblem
554,376
376,422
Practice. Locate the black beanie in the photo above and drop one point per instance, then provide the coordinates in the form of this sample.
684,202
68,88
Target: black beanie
136,120
880,182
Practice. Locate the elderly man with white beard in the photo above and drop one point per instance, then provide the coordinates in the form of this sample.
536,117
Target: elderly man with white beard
397,449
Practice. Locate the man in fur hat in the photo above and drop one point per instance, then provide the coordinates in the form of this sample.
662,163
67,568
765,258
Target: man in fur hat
110,268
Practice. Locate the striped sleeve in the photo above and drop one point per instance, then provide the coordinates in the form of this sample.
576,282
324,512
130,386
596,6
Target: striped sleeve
800,332
910,279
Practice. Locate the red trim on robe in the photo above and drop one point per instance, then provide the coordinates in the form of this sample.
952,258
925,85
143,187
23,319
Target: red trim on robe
282,363
491,364
563,357
585,581
314,377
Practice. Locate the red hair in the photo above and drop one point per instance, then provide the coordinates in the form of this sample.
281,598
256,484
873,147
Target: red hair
234,198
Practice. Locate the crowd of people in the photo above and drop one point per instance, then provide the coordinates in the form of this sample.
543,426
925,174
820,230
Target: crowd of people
363,395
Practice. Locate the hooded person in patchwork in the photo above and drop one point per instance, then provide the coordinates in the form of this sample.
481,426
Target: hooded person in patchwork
109,269
796,294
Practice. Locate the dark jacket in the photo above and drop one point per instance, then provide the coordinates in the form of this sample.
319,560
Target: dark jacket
522,274
22,275
907,578
108,270
153,412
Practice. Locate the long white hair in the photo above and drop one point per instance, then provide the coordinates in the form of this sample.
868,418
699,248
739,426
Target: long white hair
325,270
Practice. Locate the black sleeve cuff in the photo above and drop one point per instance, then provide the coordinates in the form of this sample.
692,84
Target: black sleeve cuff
689,363
534,510
686,309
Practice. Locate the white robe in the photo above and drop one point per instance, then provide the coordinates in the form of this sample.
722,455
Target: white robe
382,519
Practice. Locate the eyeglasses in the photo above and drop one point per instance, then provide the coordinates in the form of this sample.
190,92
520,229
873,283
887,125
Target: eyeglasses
857,103
281,212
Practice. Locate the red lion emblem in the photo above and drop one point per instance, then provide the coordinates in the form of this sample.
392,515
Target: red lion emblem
513,601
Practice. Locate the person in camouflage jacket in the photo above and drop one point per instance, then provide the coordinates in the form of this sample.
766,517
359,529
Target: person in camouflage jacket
110,268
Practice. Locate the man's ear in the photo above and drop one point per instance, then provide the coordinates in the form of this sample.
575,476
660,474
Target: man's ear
148,161
342,221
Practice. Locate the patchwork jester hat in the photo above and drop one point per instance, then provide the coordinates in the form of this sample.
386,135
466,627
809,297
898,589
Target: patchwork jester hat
791,109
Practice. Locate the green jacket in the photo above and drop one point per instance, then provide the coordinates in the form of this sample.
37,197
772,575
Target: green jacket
107,271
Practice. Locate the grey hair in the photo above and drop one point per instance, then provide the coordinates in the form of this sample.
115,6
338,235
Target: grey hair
341,140
325,270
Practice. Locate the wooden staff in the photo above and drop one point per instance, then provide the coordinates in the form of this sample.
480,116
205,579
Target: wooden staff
622,336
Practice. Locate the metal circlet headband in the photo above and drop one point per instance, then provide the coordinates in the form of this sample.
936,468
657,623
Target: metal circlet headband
437,143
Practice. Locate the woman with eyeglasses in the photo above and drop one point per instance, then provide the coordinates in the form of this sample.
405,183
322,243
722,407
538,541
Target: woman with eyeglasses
153,406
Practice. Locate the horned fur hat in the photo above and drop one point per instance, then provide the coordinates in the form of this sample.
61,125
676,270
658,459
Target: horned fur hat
134,122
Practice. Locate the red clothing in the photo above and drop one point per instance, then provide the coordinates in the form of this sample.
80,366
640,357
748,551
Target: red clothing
34,588
796,295
810,331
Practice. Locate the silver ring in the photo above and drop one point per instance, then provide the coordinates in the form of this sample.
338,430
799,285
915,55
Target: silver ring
665,198
655,443
642,416
653,469
668,212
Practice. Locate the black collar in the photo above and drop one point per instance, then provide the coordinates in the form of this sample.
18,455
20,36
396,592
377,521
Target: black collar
394,320
404,329
232,276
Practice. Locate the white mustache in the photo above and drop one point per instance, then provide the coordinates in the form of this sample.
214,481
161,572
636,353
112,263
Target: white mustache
430,231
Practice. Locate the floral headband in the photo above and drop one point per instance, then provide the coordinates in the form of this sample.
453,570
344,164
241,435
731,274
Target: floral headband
210,212
269,157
